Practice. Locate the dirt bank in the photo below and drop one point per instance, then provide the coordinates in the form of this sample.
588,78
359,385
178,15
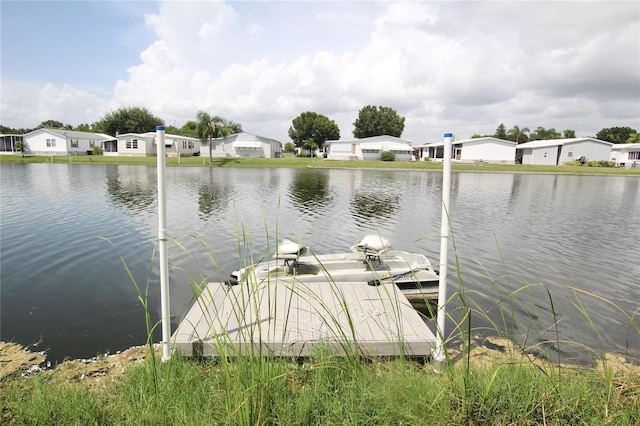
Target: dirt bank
15,361
18,362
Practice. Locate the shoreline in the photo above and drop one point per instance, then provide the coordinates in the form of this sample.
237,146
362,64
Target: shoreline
320,163
18,362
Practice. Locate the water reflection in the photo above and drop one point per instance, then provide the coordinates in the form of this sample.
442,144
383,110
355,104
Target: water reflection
310,190
133,188
375,200
213,196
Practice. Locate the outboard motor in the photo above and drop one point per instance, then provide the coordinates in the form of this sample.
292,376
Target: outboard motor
372,244
289,250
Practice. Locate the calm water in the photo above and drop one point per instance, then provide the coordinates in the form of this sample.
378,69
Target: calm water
64,229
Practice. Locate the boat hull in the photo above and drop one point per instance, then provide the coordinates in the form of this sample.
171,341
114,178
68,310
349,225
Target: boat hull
411,273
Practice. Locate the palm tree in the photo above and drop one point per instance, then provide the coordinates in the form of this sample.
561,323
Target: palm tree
516,133
20,146
210,127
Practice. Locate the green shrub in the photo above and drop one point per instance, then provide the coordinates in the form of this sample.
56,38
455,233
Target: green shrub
387,156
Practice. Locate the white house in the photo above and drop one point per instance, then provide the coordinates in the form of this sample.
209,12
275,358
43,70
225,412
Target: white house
63,142
626,154
487,149
144,145
243,145
368,148
560,151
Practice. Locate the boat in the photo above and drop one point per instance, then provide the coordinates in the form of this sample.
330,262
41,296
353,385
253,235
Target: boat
371,260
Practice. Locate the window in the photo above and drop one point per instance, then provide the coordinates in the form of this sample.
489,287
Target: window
132,144
74,143
92,144
51,143
570,154
634,155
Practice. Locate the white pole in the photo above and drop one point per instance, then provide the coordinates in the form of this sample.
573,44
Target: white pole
162,248
439,355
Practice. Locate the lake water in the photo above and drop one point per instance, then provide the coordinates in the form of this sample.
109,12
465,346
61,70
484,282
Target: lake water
568,244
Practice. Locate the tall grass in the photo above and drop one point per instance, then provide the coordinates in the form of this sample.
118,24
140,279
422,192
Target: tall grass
253,385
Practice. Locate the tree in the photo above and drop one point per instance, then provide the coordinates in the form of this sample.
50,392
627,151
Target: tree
315,127
633,138
615,134
289,147
190,128
311,146
210,127
568,134
233,128
53,124
377,121
518,135
128,120
21,146
172,130
544,134
83,127
501,132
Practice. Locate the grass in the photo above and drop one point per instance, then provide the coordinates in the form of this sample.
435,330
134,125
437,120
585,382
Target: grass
289,161
327,390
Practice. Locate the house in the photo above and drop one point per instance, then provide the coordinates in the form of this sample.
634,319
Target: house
243,145
144,145
368,148
487,149
626,154
8,144
560,151
63,142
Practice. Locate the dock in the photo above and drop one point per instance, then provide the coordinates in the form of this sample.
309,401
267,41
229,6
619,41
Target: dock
294,319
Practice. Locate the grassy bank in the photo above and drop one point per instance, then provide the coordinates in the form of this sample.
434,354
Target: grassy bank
323,389
289,161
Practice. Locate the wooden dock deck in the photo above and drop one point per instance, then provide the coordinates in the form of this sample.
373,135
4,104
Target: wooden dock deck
293,319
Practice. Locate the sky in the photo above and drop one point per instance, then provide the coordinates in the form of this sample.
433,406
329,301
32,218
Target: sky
447,66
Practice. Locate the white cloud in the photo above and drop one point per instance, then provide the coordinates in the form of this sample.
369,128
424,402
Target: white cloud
29,104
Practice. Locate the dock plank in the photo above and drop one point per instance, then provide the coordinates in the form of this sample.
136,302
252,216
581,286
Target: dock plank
289,318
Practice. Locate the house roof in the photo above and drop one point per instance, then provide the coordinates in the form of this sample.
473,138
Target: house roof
246,136
626,147
557,142
467,141
72,134
372,139
153,135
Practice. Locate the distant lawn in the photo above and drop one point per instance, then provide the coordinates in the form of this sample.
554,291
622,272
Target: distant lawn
289,161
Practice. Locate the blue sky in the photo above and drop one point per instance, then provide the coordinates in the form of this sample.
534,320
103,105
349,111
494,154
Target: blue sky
463,67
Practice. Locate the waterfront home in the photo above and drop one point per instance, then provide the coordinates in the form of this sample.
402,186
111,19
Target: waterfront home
144,145
368,148
243,145
63,142
626,154
476,150
560,151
